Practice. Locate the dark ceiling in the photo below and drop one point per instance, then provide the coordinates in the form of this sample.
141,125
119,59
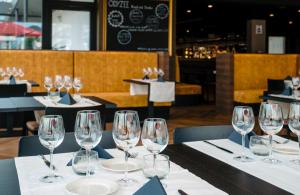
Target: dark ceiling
230,17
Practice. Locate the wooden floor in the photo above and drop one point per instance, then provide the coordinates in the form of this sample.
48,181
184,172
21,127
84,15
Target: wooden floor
179,117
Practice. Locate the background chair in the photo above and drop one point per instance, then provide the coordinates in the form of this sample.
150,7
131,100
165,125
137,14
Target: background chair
188,134
275,86
31,146
17,90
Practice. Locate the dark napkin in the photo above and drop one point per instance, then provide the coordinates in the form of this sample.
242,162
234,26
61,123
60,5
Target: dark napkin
152,187
237,138
160,79
67,99
287,91
101,153
12,80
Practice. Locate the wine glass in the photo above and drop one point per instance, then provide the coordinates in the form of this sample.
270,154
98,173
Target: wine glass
155,136
271,122
51,134
294,124
243,121
48,84
8,71
68,82
21,73
58,83
77,84
88,132
296,83
15,72
126,134
2,73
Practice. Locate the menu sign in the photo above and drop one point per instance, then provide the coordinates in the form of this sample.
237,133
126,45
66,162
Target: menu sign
137,25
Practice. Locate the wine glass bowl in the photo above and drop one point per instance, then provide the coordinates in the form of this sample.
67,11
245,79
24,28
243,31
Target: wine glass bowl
68,84
51,134
88,131
271,122
58,82
243,121
126,134
48,84
294,124
155,135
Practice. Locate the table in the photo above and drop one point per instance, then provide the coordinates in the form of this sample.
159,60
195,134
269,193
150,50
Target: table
150,103
217,173
24,104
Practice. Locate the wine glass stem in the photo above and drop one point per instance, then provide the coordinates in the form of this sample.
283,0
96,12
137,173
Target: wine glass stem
48,90
270,147
243,144
126,165
88,171
51,163
154,162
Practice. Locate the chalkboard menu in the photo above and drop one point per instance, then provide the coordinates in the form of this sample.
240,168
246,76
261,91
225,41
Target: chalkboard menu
137,25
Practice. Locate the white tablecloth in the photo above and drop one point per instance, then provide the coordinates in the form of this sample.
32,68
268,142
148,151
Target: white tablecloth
30,169
48,102
159,91
6,82
285,175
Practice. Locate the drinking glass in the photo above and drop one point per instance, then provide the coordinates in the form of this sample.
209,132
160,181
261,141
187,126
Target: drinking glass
8,71
2,73
80,162
126,134
68,82
271,122
294,124
15,72
296,83
155,136
259,145
58,82
161,169
48,84
243,122
21,73
51,134
88,132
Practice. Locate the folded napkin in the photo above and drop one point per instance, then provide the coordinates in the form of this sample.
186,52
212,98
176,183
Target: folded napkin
101,153
237,138
12,80
152,187
287,91
67,99
160,79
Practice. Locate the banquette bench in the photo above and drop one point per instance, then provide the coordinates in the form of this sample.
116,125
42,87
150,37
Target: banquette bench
242,78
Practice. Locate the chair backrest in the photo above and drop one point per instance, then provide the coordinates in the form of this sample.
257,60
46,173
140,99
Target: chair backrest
69,114
275,86
16,90
31,146
187,134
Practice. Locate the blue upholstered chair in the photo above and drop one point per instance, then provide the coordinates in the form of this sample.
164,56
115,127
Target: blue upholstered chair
30,145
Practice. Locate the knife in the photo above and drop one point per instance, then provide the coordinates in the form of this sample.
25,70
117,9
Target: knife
181,192
47,162
225,150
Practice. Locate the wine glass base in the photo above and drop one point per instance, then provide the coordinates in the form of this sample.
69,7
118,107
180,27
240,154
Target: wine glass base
127,182
243,158
296,161
271,160
51,178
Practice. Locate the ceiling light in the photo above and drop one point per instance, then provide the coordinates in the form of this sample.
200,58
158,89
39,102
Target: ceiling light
187,30
271,15
189,11
290,22
298,10
210,6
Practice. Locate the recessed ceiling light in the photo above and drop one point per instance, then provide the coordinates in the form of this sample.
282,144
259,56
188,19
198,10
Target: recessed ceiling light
210,6
298,10
187,30
271,15
189,11
291,22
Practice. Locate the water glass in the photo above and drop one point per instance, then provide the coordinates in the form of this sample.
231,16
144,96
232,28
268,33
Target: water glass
51,134
259,145
68,83
271,122
294,124
58,82
88,131
243,122
126,134
80,162
162,166
48,84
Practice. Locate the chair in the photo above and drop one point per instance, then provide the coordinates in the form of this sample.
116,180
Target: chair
17,90
31,146
188,134
275,86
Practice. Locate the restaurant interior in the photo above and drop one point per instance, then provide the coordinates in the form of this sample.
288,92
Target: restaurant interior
149,97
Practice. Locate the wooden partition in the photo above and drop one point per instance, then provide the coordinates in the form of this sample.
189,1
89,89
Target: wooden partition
242,78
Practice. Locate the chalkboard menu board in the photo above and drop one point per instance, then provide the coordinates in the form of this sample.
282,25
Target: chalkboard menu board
137,25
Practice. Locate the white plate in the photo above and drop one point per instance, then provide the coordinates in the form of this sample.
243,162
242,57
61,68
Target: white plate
92,185
285,149
118,165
